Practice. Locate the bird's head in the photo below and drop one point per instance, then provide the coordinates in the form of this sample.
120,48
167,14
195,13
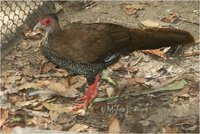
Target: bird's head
48,23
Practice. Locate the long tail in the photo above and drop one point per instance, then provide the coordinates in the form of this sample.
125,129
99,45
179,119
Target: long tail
154,38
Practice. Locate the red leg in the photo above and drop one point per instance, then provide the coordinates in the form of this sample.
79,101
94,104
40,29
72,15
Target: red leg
87,98
94,90
91,93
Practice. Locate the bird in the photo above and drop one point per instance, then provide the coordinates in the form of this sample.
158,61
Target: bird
87,49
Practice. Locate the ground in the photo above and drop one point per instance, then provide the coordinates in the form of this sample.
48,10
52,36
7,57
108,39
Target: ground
140,93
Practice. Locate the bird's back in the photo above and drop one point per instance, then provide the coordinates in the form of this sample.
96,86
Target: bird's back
89,43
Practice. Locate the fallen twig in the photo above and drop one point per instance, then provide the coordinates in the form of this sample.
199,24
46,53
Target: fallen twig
136,62
176,85
189,21
191,53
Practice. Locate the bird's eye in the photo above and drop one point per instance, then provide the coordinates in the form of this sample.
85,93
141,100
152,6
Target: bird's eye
45,22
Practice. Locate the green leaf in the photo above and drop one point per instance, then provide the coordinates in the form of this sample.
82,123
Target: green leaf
173,86
106,77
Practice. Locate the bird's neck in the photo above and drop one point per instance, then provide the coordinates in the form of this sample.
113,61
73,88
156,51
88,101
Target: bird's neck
54,28
50,31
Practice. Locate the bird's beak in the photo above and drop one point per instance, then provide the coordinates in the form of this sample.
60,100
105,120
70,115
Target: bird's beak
38,25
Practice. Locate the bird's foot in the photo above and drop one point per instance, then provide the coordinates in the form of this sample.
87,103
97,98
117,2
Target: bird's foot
85,104
87,98
80,106
90,95
81,98
94,92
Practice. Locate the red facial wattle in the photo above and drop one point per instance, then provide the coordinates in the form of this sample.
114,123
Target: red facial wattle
46,21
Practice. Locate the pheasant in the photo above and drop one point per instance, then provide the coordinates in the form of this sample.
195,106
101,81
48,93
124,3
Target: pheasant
87,49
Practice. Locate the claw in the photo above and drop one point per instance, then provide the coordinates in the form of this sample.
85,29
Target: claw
90,95
82,98
80,106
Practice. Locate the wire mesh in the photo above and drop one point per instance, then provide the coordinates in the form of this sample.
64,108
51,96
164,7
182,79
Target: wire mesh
18,16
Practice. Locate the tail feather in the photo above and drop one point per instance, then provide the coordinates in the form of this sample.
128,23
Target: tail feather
154,38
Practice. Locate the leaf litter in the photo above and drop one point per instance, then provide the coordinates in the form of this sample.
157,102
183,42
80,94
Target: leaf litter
131,9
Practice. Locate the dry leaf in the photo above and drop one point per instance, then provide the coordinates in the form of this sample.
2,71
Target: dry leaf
116,66
55,126
149,23
53,115
172,17
9,57
192,53
65,82
47,67
114,127
157,52
14,98
131,69
4,116
12,79
169,130
20,104
2,81
29,85
59,88
59,108
40,122
27,71
24,45
140,79
110,91
131,9
132,81
64,119
56,86
6,129
33,33
136,80
97,9
78,128
36,34
37,113
144,122
60,74
77,82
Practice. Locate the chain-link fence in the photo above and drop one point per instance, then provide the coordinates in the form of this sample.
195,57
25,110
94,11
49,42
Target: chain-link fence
18,16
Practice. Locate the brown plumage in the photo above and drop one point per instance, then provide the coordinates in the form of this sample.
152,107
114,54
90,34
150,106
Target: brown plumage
90,43
88,48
